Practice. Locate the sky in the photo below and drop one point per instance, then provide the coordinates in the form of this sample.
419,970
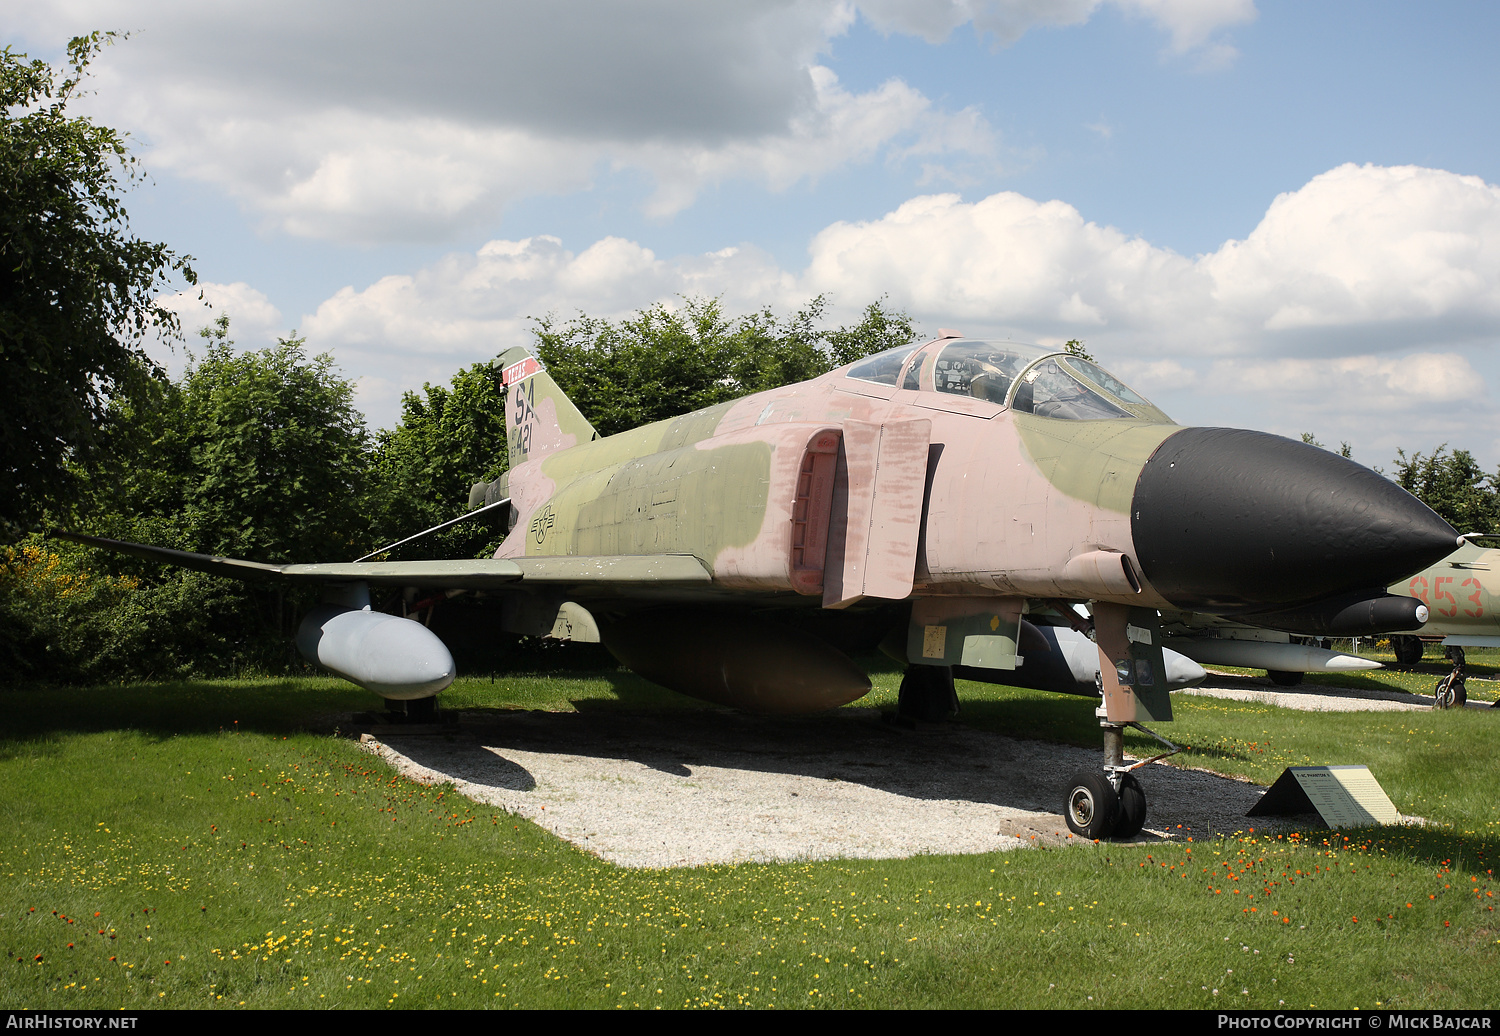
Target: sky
1261,214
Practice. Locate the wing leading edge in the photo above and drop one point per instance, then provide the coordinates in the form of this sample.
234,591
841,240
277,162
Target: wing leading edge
616,573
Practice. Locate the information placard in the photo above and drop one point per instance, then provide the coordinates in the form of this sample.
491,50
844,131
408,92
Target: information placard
1344,796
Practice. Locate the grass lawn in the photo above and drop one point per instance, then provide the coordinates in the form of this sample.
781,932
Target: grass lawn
210,844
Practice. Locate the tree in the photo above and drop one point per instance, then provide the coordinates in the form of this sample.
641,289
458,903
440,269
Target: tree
77,292
258,454
1345,450
1074,347
275,448
1453,485
663,362
877,331
254,454
61,621
420,474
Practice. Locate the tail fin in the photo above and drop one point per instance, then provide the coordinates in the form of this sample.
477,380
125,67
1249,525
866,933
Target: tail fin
539,419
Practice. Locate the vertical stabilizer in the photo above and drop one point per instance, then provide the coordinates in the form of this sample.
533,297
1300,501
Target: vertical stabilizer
539,419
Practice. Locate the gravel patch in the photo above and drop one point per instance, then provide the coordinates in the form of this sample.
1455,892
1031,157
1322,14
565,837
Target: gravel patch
689,789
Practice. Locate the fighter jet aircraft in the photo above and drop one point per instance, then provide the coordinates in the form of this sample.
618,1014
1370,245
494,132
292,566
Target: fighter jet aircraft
1457,610
1460,590
917,500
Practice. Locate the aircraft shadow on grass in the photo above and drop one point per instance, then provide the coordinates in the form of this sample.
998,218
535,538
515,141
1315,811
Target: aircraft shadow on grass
163,710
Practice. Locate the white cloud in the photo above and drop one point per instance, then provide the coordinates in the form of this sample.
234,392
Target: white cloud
841,128
1190,23
1367,245
569,68
1005,260
368,120
252,312
1388,384
254,322
477,305
1004,20
1155,376
422,327
1379,404
1363,306
1361,259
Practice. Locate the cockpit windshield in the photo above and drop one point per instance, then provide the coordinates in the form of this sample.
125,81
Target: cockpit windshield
883,368
1049,390
1032,379
984,370
1103,379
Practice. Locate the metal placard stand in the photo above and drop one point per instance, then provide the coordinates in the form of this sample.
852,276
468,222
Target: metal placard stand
1343,796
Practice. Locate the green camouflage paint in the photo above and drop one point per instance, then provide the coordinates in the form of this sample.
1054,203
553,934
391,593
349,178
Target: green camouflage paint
1097,462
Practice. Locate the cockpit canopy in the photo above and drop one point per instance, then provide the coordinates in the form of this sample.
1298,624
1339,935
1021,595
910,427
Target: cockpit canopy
1028,378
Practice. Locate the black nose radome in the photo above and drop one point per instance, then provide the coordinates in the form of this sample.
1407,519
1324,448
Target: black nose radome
1226,520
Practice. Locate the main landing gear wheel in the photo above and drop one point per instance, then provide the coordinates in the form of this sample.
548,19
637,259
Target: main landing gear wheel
1408,649
1132,815
1111,804
1281,678
1092,805
927,694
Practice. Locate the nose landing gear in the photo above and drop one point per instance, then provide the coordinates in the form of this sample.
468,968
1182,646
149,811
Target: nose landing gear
1450,691
1111,804
1130,685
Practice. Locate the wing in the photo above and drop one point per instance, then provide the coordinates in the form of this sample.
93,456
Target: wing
593,576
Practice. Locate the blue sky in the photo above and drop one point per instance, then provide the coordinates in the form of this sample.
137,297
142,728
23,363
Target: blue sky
407,189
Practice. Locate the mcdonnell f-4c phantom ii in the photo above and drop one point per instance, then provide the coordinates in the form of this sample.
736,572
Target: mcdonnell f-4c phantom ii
924,500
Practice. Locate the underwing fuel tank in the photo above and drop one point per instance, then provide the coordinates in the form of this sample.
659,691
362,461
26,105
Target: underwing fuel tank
1067,662
396,658
736,660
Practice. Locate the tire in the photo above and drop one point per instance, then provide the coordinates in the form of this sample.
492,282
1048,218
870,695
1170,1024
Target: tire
1281,678
1091,806
1408,649
1450,695
927,694
1132,815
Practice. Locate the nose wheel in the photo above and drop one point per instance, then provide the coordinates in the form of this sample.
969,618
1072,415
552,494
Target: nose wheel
1132,815
1450,691
1093,805
1111,803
